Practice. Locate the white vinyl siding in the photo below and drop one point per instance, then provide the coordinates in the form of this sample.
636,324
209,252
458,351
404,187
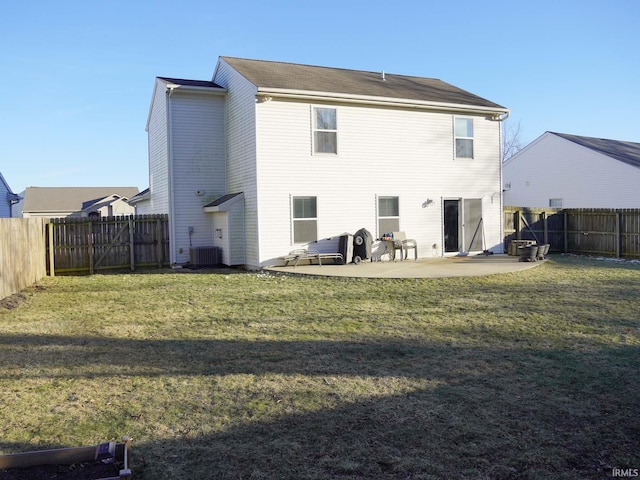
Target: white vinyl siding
581,177
158,153
241,131
198,163
381,150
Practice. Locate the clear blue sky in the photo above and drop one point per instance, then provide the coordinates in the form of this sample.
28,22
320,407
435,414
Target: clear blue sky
77,76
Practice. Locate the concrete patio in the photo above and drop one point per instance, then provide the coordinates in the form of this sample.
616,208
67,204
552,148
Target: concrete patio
469,266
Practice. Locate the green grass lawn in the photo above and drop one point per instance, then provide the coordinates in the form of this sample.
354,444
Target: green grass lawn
530,375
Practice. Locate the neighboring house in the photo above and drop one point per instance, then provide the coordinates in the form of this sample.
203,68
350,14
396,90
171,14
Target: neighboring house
141,202
570,171
55,202
268,157
7,198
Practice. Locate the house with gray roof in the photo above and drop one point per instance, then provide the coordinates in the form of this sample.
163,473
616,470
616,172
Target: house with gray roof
268,157
57,202
7,198
572,171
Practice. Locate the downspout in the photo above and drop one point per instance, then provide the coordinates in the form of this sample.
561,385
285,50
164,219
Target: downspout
500,118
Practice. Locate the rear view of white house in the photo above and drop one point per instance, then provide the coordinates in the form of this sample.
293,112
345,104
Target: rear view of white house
269,156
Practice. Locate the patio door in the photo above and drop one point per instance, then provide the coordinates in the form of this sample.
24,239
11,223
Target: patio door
463,229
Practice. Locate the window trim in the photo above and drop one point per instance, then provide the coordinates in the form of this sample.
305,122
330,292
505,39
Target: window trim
295,219
456,138
386,217
314,129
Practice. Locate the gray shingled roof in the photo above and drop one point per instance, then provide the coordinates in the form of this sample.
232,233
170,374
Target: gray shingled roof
221,200
190,83
69,199
627,152
290,76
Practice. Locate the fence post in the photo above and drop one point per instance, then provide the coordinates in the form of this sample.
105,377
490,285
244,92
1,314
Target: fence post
566,232
52,268
618,235
132,253
90,250
159,246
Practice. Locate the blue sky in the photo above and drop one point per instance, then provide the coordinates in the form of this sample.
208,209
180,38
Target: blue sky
78,75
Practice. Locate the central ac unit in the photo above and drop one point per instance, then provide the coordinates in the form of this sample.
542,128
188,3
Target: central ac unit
204,256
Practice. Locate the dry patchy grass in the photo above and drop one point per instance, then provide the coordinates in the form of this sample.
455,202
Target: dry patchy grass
531,375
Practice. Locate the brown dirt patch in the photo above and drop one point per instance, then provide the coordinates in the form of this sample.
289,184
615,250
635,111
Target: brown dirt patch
12,301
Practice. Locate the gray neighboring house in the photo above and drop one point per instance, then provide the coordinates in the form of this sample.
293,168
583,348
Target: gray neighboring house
57,202
571,171
7,198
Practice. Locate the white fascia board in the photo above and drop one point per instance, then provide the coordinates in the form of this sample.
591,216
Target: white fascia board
369,100
175,88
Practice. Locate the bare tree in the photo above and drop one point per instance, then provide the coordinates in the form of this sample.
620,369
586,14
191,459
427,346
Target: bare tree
512,141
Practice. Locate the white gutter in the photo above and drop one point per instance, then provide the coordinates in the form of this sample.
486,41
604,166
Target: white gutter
495,112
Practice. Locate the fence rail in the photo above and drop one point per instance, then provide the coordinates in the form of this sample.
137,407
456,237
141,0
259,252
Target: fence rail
22,259
608,232
84,245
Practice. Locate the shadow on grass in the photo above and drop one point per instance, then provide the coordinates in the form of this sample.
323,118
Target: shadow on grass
496,413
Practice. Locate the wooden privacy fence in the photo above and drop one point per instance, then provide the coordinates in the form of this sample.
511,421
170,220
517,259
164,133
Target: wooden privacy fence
86,245
600,231
22,254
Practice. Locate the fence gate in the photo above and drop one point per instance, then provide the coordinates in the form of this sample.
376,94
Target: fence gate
88,245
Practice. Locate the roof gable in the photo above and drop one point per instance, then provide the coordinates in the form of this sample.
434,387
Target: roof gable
627,152
4,183
290,76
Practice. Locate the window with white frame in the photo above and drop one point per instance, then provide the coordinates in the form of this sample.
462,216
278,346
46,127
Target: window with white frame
388,215
464,137
305,219
325,130
555,202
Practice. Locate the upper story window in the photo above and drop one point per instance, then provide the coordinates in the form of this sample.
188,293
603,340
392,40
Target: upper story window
555,202
325,130
464,137
388,215
305,219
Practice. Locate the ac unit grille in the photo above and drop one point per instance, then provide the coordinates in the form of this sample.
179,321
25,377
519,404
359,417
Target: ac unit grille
204,256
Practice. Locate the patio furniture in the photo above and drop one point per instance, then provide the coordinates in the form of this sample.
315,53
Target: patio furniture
310,255
404,244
